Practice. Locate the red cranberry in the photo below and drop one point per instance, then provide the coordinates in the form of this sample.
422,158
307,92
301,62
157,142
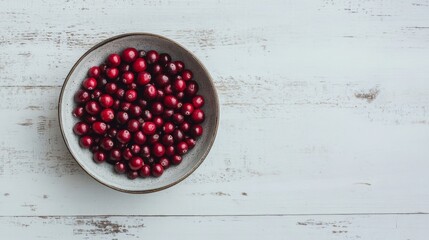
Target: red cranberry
133,125
191,89
197,116
144,171
125,106
157,108
124,67
149,92
120,167
143,78
180,95
132,175
154,138
106,143
103,67
81,96
135,163
181,148
179,85
129,55
170,151
176,159
116,105
164,162
115,155
94,72
135,110
147,115
135,149
99,127
170,101
178,118
90,119
112,132
132,86
95,94
187,109
106,100
122,117
187,75
120,93
168,140
168,127
150,160
101,82
113,60
99,157
191,142
180,66
168,90
111,88
89,83
185,126
131,95
198,101
123,136
178,135
156,69
78,112
159,122
127,77
157,170
142,53
92,107
142,103
149,128
86,141
160,94
196,130
162,80
139,65
112,73
158,150
139,138
152,56
127,154
164,58
171,68
145,151
81,128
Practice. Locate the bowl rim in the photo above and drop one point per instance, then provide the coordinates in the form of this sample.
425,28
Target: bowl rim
211,141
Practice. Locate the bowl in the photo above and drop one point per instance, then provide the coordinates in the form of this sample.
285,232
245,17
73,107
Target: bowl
104,172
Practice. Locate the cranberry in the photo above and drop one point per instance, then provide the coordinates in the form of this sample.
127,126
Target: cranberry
116,105
178,118
149,92
196,130
127,77
132,86
185,126
112,73
164,58
191,142
112,132
142,53
89,83
157,108
99,127
113,60
139,65
106,143
142,103
145,151
144,171
158,150
171,68
135,149
179,85
180,95
120,167
164,162
96,94
170,101
147,115
135,110
143,78
197,116
187,109
162,80
78,112
115,155
178,135
105,100
81,96
99,157
152,56
154,138
86,141
139,138
103,67
191,89
127,154
180,66
150,160
94,72
168,127
131,95
160,94
132,175
135,163
176,159
149,128
125,106
168,90
170,151
157,170
168,113
111,88
124,67
187,75
198,101
156,69
168,140
123,136
101,82
129,55
92,107
90,119
81,128
133,125
122,117
159,122
181,148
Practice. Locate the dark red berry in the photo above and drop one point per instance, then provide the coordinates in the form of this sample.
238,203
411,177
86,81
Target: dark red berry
145,151
112,73
127,154
162,80
168,127
144,78
129,55
191,142
144,171
123,136
147,115
170,151
132,175
179,85
158,150
156,69
125,106
164,58
168,113
171,68
139,137
168,140
149,92
178,135
157,108
130,95
178,118
187,109
81,96
187,75
78,112
105,100
90,119
176,159
181,148
135,163
135,149
191,89
185,126
99,157
99,128
127,77
96,94
122,117
198,101
168,90
198,116
112,132
152,56
171,101
113,60
196,130
142,53
159,122
92,107
133,125
94,72
142,103
124,67
107,115
86,141
180,66
154,138
89,83
139,65
120,167
81,128
149,128
165,163
101,82
111,88
115,155
135,111
157,170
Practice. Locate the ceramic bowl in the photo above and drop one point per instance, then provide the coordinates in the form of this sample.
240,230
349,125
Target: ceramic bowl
104,172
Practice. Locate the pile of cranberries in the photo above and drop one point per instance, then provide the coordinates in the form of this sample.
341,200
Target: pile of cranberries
139,111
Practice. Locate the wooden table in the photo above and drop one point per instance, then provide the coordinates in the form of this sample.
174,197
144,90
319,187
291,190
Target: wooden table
324,130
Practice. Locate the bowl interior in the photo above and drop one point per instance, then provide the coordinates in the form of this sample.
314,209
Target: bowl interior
104,172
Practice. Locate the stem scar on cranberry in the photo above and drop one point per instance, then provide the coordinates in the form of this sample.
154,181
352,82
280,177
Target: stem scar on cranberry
139,111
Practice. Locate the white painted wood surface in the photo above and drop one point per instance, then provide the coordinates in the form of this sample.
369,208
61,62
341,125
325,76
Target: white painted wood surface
324,110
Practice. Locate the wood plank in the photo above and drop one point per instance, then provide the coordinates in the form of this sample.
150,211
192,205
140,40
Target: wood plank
393,227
